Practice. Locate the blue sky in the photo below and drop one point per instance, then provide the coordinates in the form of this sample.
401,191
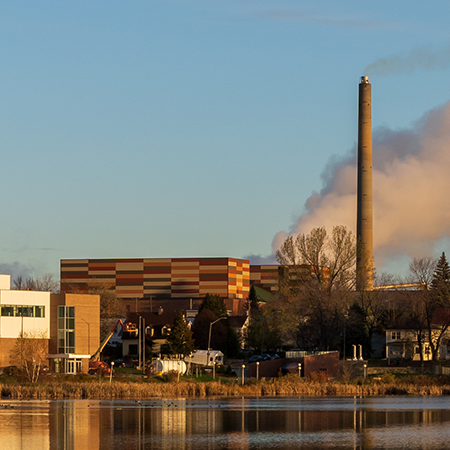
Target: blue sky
191,128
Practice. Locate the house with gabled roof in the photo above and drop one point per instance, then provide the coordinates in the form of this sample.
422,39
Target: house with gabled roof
402,338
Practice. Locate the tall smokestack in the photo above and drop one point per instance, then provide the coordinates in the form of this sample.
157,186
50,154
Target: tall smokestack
364,221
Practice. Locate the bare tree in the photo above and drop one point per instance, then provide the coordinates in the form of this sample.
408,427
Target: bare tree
111,308
430,308
29,353
422,270
315,294
331,259
44,283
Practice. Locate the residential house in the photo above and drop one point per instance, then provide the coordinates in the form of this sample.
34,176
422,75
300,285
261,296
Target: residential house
402,339
156,326
239,324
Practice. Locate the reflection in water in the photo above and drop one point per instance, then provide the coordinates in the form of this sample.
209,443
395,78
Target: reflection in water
231,423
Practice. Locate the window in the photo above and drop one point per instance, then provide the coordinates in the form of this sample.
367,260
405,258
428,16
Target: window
66,329
8,311
22,311
133,349
39,311
396,335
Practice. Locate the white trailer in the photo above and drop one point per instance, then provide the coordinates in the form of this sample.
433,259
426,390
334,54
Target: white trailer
160,366
205,357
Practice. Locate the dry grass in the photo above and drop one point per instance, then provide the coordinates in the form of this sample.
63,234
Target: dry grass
286,386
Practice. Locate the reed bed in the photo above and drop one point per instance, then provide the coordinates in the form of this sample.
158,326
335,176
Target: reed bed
102,389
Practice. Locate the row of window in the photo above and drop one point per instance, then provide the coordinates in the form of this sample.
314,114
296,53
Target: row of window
66,329
22,311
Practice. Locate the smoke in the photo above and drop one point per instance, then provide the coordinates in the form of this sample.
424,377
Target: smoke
260,259
411,186
423,58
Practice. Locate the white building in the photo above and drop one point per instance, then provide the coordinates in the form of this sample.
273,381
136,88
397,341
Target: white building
70,324
403,344
21,311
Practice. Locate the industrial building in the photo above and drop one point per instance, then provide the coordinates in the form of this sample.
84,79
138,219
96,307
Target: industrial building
145,284
269,277
159,278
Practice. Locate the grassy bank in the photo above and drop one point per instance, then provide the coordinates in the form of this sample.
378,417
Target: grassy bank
287,386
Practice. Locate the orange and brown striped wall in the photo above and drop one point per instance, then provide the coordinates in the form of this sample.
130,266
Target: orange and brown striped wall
159,277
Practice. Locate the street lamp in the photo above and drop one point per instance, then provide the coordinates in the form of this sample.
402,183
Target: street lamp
209,338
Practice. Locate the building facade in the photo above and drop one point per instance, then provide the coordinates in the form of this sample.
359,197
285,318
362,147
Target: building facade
159,278
269,277
21,312
403,344
69,323
74,331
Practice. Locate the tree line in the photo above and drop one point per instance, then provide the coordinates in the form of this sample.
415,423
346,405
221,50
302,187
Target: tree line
316,306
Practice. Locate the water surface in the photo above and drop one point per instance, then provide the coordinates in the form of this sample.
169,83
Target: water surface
227,423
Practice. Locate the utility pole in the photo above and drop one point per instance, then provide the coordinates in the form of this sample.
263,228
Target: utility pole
209,338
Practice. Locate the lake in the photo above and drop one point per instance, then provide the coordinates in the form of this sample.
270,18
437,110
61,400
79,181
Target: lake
227,423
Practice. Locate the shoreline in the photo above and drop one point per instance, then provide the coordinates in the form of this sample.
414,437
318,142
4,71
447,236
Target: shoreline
104,390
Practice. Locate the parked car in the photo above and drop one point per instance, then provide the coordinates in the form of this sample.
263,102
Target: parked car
125,362
254,358
273,356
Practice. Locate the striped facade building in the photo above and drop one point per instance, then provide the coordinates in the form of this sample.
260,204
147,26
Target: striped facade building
265,277
268,277
159,278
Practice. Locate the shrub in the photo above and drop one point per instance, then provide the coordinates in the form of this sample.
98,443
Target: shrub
387,377
318,377
170,376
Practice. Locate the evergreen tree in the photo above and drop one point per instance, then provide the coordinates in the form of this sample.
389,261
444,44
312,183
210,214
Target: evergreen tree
200,329
256,327
252,300
180,339
441,277
232,346
357,330
215,304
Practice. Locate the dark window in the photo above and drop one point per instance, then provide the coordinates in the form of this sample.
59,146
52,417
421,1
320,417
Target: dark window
66,329
22,311
133,349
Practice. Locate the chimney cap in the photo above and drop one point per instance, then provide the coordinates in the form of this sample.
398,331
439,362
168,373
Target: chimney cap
365,79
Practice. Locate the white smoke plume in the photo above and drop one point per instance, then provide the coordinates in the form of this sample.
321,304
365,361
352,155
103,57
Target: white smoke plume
423,58
411,186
